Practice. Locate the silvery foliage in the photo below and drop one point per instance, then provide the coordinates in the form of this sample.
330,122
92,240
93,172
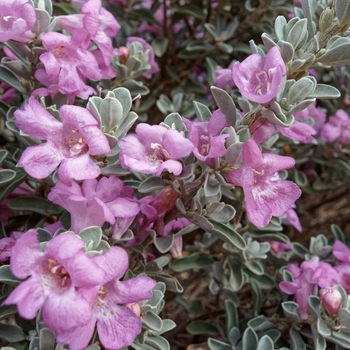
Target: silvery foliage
316,37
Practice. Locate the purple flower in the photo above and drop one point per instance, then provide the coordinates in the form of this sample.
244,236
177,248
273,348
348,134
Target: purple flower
68,63
55,276
154,149
174,226
266,194
338,128
298,131
16,20
311,273
69,143
343,269
291,218
7,243
7,93
117,324
96,202
341,251
331,300
224,78
202,135
279,248
257,80
148,50
98,22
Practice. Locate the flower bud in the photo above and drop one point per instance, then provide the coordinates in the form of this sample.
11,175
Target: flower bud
331,300
326,19
135,308
176,249
124,54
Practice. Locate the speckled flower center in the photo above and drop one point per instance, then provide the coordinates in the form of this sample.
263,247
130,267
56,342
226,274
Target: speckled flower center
159,154
55,275
74,144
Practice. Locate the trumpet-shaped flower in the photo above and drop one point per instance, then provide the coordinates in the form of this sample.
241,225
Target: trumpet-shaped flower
117,324
257,80
154,149
204,136
98,22
310,273
69,143
337,128
67,63
266,194
17,17
56,276
96,202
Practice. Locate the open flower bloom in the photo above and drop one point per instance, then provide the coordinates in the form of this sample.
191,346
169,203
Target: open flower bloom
67,63
117,324
266,194
257,80
202,135
96,202
154,149
310,273
17,17
98,22
69,143
55,278
337,128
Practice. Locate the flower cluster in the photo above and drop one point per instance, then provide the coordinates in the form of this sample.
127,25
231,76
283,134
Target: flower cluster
76,292
92,173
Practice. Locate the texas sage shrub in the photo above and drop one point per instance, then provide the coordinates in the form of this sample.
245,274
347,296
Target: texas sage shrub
145,139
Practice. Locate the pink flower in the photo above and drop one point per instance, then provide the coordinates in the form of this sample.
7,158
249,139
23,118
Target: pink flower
279,248
257,80
338,128
298,131
343,269
341,251
98,22
97,202
7,93
16,20
331,300
224,78
291,218
174,226
69,143
68,63
154,149
117,324
266,194
7,243
55,276
204,136
311,272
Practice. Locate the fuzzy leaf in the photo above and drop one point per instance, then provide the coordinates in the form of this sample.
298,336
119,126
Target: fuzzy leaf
226,105
35,204
9,78
196,260
227,234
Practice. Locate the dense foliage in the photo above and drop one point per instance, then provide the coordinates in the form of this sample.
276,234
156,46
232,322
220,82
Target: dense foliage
152,157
